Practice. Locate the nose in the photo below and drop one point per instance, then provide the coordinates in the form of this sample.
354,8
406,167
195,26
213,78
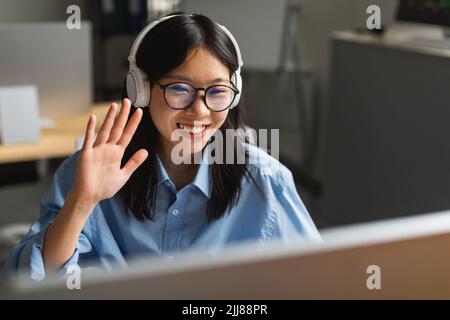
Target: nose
198,107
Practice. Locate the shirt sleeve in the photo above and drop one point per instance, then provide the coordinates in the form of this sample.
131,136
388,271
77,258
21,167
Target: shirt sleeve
288,217
27,257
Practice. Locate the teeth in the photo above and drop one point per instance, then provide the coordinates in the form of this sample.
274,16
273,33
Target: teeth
192,130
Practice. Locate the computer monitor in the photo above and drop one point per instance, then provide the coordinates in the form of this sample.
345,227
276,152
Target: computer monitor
54,58
435,12
403,258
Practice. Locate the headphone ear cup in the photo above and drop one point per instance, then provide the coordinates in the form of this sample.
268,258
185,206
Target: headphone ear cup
138,89
236,79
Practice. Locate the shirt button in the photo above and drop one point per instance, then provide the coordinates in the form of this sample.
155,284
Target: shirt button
175,212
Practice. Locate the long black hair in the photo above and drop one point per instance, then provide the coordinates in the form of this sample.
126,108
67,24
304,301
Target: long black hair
162,50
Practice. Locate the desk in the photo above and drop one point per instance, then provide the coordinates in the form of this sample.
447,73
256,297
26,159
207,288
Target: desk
58,141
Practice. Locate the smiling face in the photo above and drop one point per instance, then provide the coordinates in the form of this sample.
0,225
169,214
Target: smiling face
197,123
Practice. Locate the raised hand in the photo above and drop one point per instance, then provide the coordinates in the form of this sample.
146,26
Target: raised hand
99,173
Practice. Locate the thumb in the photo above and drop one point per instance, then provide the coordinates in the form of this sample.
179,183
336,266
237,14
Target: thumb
135,161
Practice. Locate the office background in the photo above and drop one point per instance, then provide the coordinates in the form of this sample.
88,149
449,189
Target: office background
362,121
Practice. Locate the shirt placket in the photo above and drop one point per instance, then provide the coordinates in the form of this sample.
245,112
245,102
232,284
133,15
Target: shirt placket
175,213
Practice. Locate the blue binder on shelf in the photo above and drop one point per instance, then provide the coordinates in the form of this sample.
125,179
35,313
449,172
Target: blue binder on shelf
122,16
108,16
136,15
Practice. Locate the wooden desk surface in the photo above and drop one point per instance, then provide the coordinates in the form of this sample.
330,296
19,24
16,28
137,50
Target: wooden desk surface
58,141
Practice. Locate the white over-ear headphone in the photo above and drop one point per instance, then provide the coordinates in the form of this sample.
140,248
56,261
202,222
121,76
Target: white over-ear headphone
138,86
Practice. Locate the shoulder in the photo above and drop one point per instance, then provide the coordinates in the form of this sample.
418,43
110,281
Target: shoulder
71,161
64,175
265,168
68,165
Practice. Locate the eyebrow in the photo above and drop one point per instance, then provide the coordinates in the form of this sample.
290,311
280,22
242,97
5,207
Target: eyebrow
185,78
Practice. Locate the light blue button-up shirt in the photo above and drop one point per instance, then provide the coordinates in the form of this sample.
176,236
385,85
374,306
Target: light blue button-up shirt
112,236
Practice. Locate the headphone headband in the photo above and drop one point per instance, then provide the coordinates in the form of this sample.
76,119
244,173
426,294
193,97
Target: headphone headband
143,33
137,81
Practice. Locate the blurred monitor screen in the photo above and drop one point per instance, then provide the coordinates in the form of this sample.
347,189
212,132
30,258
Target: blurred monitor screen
403,258
435,12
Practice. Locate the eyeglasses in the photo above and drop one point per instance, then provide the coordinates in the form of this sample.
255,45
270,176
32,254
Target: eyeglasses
181,95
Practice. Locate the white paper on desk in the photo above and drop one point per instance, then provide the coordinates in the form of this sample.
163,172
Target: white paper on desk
19,114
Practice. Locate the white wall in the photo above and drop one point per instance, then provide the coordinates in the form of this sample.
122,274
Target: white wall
35,10
320,17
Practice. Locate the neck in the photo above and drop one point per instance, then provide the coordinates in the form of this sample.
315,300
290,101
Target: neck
180,174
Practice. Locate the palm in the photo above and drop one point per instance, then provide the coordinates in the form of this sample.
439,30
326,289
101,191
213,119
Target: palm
99,172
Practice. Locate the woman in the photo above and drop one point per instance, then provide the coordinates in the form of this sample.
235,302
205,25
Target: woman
123,195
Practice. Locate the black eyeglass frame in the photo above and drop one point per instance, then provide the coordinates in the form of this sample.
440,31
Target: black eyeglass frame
197,89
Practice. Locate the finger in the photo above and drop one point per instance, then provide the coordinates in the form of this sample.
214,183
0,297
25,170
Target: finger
103,133
120,122
135,161
89,137
130,129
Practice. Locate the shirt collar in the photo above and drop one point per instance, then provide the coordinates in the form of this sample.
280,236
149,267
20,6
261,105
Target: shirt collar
161,171
202,179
